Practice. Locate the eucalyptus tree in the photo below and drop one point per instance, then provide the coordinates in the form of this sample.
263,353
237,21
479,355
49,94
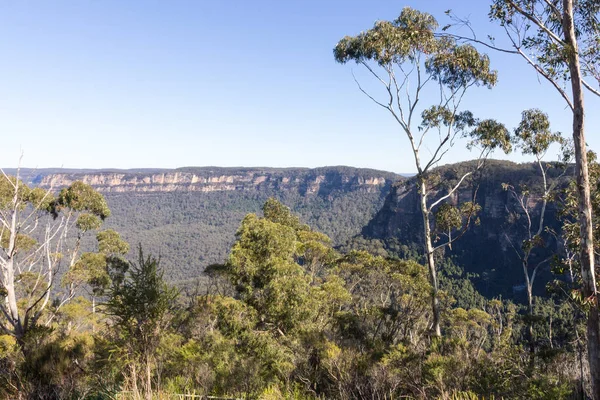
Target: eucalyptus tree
287,299
407,58
534,137
40,238
559,40
279,267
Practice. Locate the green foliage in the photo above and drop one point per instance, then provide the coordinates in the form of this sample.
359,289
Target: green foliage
298,320
266,268
91,268
276,212
41,199
490,134
82,197
140,307
51,371
11,188
390,299
192,230
533,133
139,304
110,243
448,218
23,243
391,42
88,222
458,66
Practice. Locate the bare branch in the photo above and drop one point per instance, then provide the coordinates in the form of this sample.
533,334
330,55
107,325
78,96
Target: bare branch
367,94
541,71
590,88
451,191
537,22
535,269
474,40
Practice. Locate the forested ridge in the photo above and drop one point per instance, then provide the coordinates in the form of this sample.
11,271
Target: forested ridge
192,229
191,232
485,251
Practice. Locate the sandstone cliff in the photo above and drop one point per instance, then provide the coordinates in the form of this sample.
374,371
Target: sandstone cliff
487,248
318,181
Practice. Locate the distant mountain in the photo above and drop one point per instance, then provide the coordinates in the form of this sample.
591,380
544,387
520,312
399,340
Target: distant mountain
190,215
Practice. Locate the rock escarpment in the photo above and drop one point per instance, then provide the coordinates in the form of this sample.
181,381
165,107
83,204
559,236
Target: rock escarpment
317,181
487,249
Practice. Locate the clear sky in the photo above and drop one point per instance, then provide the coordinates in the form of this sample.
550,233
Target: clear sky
155,83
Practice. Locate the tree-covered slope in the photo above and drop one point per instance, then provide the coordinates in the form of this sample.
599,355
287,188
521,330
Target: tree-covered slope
190,215
487,251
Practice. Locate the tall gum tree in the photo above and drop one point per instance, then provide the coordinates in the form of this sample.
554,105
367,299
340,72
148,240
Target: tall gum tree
40,239
407,58
534,137
559,39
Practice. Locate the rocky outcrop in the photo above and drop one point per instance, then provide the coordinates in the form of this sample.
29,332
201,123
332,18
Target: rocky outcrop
307,181
401,217
487,247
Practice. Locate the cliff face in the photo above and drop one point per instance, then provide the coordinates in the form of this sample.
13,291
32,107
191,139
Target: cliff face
487,248
321,181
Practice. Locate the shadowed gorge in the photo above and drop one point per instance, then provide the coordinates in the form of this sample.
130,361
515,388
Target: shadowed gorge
486,250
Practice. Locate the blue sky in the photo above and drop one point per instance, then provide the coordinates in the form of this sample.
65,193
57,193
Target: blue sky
127,84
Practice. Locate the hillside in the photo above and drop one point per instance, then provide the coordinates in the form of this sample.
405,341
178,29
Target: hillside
190,215
485,251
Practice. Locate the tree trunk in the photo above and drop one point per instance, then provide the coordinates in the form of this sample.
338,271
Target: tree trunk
529,286
134,387
584,203
148,377
18,330
435,304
